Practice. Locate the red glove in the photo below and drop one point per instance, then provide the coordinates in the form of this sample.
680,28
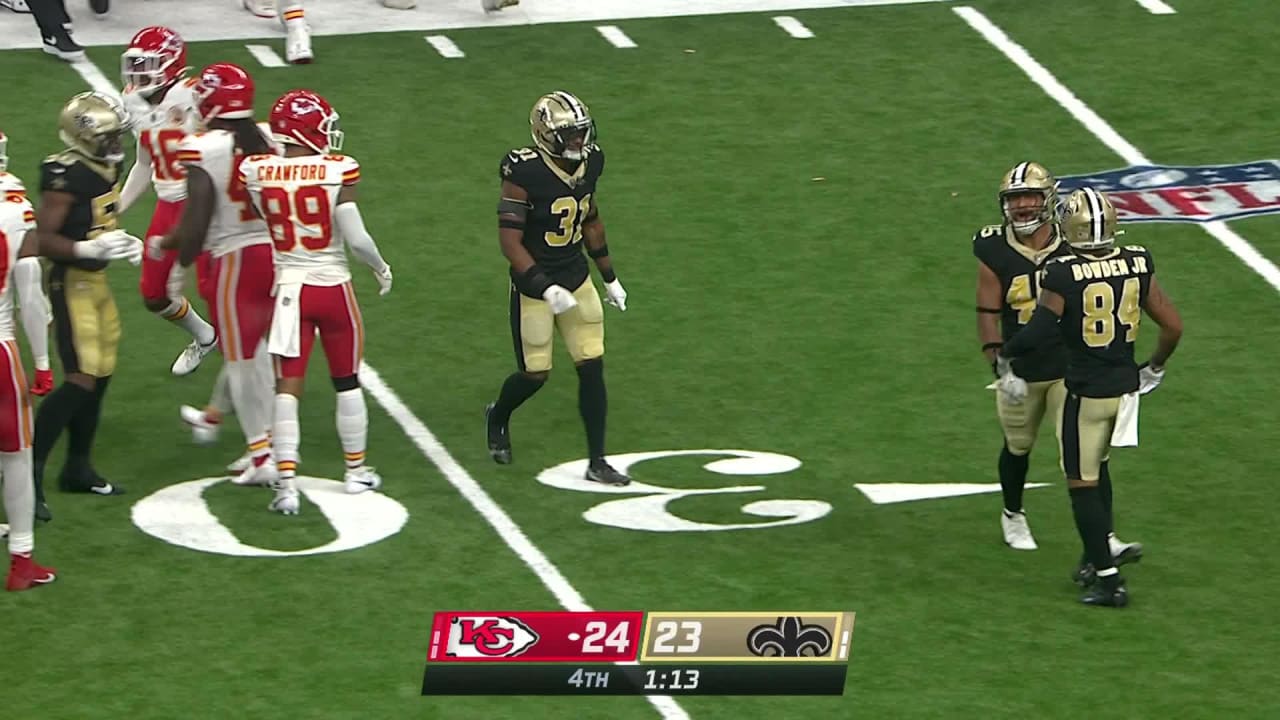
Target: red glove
43,383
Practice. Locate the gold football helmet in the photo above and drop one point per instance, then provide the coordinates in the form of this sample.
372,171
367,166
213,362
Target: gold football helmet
1089,221
1028,178
93,124
561,126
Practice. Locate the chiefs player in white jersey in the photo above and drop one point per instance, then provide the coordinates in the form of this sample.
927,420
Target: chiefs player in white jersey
20,268
162,105
42,383
219,217
307,197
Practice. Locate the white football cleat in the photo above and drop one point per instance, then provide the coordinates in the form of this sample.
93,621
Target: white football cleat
297,35
1124,552
240,464
191,357
362,479
4,531
203,432
261,8
1017,534
495,5
265,474
286,501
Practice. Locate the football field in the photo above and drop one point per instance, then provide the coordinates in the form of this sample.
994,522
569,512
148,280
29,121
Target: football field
792,220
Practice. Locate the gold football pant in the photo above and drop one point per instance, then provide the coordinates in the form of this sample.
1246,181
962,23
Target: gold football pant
1021,422
1084,435
85,320
533,326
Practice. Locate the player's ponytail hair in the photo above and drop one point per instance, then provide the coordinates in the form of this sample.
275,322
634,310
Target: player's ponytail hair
249,138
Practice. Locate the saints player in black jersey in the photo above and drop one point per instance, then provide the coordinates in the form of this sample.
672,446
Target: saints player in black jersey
76,228
547,211
1094,300
1009,258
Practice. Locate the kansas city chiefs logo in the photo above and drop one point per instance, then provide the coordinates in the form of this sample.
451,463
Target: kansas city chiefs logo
302,106
488,636
1186,193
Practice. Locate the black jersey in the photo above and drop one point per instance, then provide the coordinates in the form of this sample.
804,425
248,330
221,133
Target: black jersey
1104,299
559,202
1018,268
94,210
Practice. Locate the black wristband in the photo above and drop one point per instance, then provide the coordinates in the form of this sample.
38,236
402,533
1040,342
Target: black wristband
988,311
510,224
536,282
608,275
602,251
992,346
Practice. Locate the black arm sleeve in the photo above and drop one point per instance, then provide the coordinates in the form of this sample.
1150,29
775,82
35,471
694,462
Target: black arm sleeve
1043,325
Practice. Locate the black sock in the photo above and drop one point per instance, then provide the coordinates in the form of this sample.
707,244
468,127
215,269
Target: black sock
50,15
1091,523
517,388
593,404
1104,489
55,413
81,432
1013,478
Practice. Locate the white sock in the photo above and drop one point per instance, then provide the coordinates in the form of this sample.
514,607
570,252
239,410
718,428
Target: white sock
181,313
353,426
221,396
291,13
19,500
286,434
252,399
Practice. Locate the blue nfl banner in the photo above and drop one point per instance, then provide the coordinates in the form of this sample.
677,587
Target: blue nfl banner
1186,193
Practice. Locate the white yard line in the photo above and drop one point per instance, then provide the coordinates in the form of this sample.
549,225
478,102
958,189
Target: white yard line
615,36
1157,7
95,78
265,55
445,46
1102,130
793,27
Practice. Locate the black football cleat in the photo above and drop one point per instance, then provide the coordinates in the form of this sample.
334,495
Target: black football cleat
90,483
43,514
1102,596
498,437
602,472
1084,576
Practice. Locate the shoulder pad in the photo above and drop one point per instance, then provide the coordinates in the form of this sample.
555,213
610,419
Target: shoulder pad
65,158
1135,248
1060,259
523,154
515,162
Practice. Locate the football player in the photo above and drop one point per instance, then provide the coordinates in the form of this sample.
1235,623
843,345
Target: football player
18,249
219,217
76,227
1009,258
547,211
297,43
304,196
42,382
163,109
1094,299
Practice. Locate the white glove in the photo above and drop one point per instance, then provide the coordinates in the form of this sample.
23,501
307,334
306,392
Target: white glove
154,251
615,295
111,245
561,300
1149,378
1010,386
384,280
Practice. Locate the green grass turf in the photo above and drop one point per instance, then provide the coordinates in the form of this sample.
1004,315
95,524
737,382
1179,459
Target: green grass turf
830,320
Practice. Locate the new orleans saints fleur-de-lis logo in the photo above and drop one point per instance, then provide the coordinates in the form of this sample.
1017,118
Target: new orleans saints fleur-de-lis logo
789,637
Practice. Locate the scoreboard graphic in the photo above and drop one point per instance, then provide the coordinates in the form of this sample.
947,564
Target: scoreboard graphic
638,653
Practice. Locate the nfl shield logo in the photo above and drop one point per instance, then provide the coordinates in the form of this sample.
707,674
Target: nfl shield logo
1186,193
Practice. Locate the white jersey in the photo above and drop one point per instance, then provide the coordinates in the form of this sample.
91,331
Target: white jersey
235,223
298,196
17,217
161,129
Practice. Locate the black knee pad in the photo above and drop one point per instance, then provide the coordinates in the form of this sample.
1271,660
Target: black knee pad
343,384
